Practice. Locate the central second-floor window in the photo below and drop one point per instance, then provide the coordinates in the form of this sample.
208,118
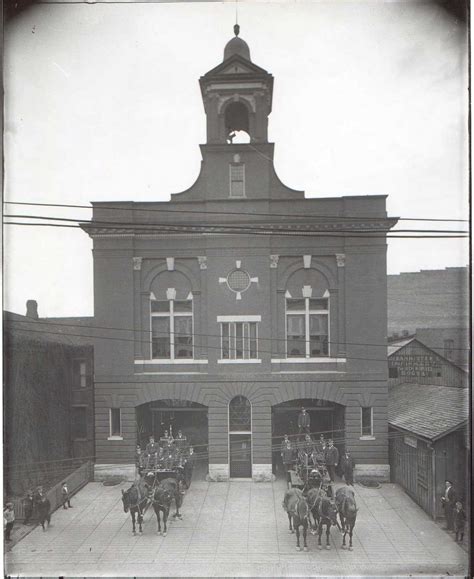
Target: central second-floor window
239,340
172,329
307,327
237,180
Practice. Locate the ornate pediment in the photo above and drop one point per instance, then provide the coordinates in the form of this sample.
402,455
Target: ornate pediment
236,65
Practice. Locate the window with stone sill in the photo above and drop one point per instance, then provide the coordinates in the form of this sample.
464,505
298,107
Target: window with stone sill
115,419
172,329
237,179
307,322
239,340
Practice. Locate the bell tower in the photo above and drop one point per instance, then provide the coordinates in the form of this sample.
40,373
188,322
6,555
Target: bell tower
237,96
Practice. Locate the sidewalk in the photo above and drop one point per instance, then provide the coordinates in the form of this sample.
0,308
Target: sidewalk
234,529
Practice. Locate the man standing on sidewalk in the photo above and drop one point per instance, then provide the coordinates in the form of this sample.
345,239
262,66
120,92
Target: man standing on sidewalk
448,501
28,506
9,519
66,497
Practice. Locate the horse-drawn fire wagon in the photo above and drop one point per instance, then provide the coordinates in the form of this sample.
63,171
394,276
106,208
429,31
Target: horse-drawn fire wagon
309,471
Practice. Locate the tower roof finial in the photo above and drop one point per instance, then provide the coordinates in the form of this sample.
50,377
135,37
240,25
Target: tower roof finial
236,29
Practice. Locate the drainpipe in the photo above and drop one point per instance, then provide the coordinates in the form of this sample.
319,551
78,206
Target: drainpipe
433,471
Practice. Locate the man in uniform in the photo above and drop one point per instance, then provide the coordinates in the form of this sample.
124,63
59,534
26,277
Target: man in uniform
180,441
288,456
332,459
348,465
188,467
304,424
152,451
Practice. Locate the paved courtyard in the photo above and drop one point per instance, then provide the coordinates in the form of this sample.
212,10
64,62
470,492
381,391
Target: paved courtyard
233,529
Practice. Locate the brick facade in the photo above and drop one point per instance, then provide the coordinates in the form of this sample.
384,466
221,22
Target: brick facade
157,256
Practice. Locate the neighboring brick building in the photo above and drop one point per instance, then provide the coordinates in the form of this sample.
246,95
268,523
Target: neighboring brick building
410,360
432,305
48,399
240,300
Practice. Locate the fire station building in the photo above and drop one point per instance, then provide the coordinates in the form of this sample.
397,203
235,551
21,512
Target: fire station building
239,301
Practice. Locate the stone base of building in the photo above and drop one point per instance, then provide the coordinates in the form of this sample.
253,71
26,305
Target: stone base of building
378,472
262,473
104,471
218,473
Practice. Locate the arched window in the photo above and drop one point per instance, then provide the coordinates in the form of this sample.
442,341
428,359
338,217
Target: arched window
240,415
240,437
237,117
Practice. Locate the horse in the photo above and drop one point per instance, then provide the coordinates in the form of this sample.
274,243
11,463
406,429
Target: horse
297,510
168,490
135,499
324,513
347,509
313,497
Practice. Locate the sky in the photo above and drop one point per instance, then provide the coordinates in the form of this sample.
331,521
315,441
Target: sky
102,103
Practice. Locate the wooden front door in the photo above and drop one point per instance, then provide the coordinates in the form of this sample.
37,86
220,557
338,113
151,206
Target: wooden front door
240,455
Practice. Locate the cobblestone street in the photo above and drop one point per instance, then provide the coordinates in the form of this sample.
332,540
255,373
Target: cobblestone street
233,529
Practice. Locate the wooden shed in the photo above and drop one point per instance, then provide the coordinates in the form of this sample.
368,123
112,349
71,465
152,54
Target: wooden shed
429,442
410,360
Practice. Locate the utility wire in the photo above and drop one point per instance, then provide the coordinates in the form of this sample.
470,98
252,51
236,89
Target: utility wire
195,225
226,213
161,230
207,347
218,336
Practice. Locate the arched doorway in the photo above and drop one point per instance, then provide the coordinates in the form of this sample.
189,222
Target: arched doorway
172,415
240,437
326,418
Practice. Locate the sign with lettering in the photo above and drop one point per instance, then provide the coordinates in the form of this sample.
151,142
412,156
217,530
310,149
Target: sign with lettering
408,365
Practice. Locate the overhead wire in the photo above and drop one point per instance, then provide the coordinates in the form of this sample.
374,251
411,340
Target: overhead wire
226,212
207,347
51,322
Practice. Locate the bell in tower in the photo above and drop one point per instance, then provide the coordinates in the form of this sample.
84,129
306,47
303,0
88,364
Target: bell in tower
237,96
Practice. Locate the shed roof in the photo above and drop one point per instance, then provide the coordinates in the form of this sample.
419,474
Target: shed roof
427,410
395,346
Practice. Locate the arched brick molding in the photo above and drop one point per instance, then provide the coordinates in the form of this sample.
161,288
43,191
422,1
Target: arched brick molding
297,265
179,267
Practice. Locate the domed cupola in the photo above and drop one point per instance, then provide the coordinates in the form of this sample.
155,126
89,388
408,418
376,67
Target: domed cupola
237,46
237,96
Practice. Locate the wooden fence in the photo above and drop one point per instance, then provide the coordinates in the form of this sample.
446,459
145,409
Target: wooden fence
75,481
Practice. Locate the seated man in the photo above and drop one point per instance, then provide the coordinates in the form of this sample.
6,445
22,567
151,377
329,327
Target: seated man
180,440
152,447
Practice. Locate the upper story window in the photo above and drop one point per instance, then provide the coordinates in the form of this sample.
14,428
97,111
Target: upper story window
239,341
237,179
307,327
172,329
449,349
366,421
80,374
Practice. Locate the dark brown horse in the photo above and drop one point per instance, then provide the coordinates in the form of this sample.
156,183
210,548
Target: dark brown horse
347,509
325,513
297,509
168,490
135,500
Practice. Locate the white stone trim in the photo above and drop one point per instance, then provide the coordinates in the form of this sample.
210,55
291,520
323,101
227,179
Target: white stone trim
307,261
170,263
218,472
239,318
239,361
321,360
309,372
175,361
115,437
262,473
